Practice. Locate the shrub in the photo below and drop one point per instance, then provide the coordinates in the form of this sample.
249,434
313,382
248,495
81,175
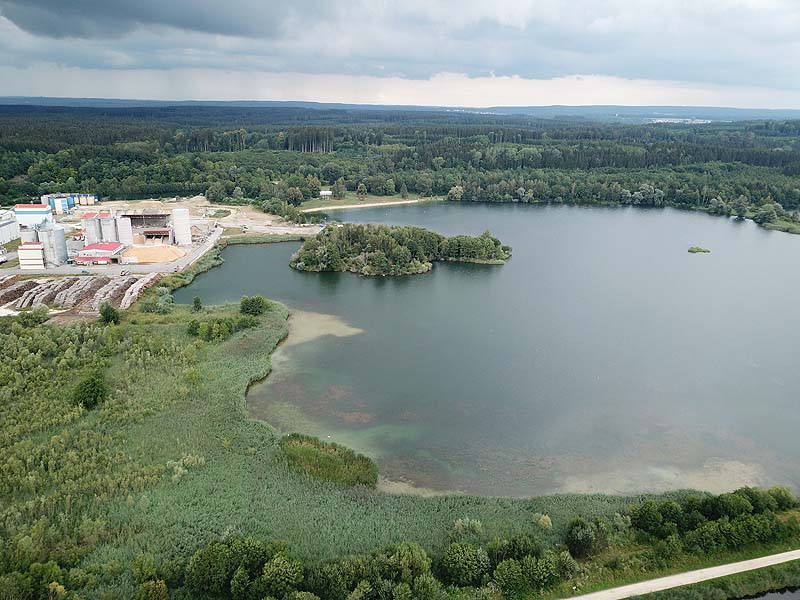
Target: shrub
153,590
581,538
783,497
209,570
464,564
144,567
109,314
427,587
91,390
281,575
253,305
509,578
197,305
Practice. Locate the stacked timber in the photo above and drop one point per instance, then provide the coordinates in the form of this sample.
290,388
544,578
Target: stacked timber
113,289
136,289
13,292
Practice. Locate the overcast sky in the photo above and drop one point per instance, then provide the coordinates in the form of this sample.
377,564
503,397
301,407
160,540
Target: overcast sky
461,53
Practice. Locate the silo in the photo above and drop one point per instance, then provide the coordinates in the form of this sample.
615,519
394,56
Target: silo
125,231
91,230
108,229
28,234
181,227
55,244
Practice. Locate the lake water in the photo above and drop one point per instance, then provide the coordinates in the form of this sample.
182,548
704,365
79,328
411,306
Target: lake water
602,357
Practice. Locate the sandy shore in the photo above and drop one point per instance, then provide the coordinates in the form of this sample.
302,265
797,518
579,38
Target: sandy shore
366,205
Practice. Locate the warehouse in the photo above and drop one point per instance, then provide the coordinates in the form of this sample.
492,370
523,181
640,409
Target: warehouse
100,253
29,215
64,203
9,229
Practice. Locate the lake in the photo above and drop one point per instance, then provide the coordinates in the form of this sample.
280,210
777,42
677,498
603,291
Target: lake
603,357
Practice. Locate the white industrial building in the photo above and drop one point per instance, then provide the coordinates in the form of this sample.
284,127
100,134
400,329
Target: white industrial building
9,228
181,227
29,215
101,253
53,240
31,255
65,202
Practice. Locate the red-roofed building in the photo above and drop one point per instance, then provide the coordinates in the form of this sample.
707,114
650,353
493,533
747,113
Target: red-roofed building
100,253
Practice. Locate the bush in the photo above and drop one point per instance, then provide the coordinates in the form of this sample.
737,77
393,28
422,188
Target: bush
109,314
281,575
464,564
153,590
509,578
581,538
253,305
91,390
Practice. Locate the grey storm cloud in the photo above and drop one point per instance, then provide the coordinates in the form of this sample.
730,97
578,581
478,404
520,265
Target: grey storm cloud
733,42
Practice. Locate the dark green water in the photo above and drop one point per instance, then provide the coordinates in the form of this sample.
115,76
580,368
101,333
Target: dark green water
602,357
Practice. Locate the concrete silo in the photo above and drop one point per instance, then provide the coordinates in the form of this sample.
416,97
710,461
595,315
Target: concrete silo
91,230
54,240
108,229
124,231
181,227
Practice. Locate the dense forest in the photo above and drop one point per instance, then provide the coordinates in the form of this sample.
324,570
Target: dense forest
392,250
282,156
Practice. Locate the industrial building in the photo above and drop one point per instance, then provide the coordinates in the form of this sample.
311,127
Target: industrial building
9,229
29,215
53,240
100,253
63,203
138,227
31,255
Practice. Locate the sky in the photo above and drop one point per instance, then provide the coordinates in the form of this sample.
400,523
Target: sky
473,53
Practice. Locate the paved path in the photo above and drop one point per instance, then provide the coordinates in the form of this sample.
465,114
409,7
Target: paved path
673,581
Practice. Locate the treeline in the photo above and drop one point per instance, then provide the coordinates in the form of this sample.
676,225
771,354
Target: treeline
391,250
649,537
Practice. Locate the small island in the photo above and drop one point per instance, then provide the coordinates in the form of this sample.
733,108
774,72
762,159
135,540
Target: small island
391,250
699,250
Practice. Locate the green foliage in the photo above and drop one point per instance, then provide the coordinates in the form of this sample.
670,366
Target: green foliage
581,538
253,305
91,390
699,250
109,314
329,461
386,250
153,590
197,305
464,564
281,575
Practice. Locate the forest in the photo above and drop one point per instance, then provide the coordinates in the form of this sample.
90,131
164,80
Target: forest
392,250
278,157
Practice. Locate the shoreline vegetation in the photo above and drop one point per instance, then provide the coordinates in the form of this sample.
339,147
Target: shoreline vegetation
187,368
380,250
699,250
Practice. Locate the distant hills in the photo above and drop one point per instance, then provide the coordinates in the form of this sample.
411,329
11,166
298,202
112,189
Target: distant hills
633,114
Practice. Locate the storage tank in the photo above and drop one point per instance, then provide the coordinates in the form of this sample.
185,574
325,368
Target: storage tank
125,231
28,234
108,230
55,244
181,226
91,230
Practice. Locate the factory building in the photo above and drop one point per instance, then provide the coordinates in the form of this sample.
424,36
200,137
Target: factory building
101,253
63,203
31,255
53,240
29,215
9,228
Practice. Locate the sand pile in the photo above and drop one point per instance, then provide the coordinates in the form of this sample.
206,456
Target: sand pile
154,254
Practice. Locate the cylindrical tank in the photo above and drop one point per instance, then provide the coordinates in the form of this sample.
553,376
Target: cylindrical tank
55,244
181,226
